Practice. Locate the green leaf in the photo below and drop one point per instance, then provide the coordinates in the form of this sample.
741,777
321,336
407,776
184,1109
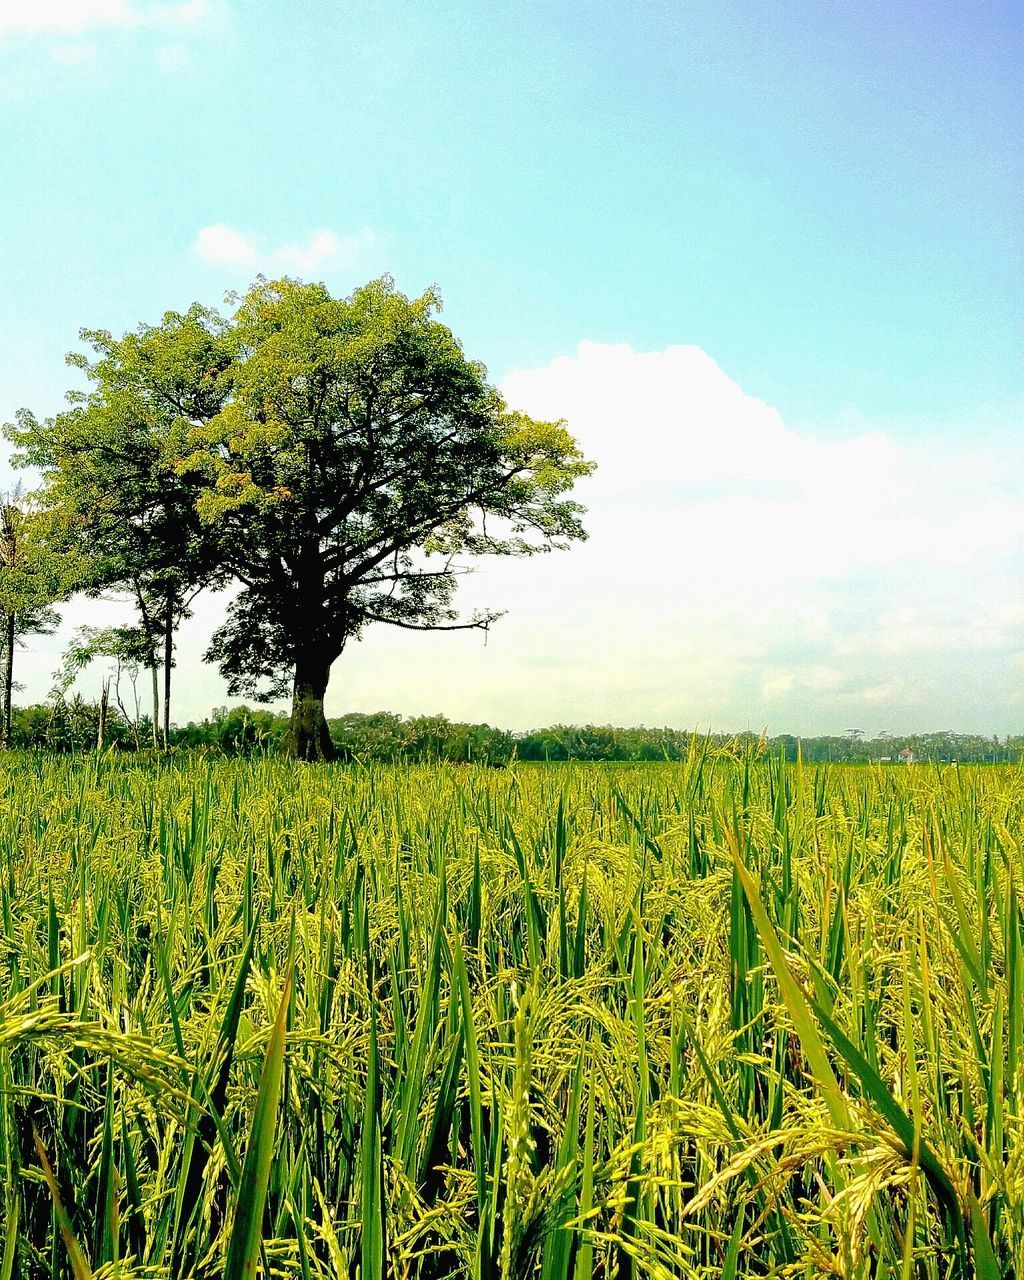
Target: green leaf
107,1228
986,1265
371,1203
12,1209
473,1072
246,1238
411,1084
795,1002
733,1252
878,1092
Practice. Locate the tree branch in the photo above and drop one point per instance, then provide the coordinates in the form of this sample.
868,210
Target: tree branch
477,624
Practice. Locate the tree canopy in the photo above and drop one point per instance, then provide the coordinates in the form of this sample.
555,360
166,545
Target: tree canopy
359,458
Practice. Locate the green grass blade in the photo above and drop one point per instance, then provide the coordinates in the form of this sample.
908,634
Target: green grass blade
796,1004
12,1210
107,1228
371,1201
878,1093
246,1232
986,1265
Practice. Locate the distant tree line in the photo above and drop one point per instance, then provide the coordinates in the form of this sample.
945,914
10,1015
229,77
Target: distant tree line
335,462
74,724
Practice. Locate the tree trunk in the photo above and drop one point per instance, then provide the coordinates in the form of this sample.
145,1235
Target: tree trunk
101,728
8,679
155,673
147,626
168,663
308,737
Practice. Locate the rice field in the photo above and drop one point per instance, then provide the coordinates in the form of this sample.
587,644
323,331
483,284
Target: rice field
727,1017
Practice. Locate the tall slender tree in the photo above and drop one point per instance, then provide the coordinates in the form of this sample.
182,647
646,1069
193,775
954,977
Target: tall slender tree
107,473
34,575
127,649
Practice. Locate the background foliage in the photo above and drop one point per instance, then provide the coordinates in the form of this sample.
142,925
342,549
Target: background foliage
387,737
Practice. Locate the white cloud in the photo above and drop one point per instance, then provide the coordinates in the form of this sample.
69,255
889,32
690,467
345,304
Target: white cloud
686,453
322,249
776,575
72,17
225,246
325,248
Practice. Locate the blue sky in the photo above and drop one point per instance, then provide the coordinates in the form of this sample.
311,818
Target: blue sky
825,200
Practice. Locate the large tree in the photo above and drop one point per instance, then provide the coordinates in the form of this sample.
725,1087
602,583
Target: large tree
108,477
359,457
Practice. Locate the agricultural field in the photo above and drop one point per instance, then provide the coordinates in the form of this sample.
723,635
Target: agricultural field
726,1017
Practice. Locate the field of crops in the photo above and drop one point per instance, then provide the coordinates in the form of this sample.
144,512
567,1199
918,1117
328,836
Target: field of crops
721,1018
